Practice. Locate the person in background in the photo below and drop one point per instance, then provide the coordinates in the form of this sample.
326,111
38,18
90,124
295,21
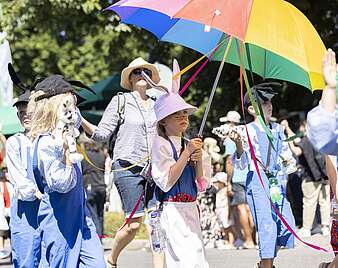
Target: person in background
2,146
223,213
25,236
6,194
315,184
236,180
93,180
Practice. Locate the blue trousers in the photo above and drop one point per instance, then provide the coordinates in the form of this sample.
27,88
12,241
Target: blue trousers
25,236
272,233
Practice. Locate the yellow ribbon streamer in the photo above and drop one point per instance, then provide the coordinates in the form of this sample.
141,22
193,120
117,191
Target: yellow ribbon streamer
85,156
197,61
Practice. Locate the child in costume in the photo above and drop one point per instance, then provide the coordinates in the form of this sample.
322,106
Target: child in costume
274,161
177,179
25,237
66,228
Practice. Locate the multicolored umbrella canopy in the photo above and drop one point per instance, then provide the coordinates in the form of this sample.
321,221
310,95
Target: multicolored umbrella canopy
279,40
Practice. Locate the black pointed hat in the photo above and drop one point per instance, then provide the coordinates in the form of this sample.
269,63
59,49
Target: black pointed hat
262,92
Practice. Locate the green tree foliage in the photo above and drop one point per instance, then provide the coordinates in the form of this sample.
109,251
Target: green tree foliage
78,39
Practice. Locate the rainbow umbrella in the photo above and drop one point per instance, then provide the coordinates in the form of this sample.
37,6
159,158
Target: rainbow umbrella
279,41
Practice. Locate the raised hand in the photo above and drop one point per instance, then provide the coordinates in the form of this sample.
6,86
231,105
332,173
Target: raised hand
330,68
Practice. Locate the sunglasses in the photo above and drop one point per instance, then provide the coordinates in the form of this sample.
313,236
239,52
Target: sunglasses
138,71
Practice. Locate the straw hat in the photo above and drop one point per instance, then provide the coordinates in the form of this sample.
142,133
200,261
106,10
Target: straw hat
170,102
135,64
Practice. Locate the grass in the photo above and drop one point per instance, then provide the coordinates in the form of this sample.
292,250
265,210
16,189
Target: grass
113,221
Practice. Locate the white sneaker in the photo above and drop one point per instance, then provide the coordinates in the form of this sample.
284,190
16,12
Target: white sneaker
304,233
325,231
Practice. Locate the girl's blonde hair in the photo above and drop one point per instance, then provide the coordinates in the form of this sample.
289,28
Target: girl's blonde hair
44,113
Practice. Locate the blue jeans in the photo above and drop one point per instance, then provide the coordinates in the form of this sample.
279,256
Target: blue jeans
130,186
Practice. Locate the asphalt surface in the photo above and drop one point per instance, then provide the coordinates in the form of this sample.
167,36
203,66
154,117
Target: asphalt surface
138,255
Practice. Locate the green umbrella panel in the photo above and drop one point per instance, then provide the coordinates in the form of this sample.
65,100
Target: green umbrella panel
265,63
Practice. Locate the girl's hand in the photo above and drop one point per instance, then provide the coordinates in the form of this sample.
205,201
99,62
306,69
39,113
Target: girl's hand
193,145
330,68
196,156
64,138
38,195
66,157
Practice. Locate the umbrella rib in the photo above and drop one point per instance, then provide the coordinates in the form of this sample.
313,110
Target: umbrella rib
181,7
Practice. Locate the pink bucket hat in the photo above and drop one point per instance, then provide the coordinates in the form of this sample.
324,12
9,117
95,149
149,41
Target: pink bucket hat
171,102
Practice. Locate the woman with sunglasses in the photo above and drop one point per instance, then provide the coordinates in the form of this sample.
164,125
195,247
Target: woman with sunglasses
132,148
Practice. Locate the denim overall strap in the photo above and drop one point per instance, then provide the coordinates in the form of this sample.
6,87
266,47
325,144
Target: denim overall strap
174,150
37,175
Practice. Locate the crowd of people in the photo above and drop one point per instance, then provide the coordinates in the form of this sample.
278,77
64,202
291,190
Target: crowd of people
228,191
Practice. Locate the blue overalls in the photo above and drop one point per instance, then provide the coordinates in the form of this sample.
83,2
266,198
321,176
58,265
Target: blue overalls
68,233
185,189
25,236
271,231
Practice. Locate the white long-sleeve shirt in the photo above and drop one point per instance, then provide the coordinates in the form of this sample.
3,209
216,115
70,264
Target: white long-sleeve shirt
18,160
58,176
260,143
162,159
322,130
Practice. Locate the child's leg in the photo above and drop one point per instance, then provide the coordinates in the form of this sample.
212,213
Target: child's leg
262,215
266,263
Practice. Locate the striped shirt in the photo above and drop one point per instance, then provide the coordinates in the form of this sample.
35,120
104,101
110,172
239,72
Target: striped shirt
134,140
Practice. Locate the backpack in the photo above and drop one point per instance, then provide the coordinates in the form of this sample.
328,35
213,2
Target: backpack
121,104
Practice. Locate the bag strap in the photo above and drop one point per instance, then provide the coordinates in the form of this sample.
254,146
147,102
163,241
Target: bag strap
121,105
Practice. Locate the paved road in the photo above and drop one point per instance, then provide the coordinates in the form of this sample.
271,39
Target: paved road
301,256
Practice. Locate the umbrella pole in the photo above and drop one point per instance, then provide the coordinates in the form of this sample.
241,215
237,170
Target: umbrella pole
206,112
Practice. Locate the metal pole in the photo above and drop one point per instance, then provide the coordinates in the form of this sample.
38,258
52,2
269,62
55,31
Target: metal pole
214,89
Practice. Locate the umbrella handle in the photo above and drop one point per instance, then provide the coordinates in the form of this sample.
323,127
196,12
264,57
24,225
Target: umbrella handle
214,89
